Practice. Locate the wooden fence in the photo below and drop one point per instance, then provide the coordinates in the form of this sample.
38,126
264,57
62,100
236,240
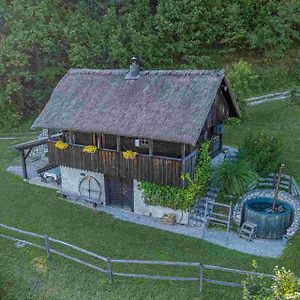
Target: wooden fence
287,184
272,97
109,262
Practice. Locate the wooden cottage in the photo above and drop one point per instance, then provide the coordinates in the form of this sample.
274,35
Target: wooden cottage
163,116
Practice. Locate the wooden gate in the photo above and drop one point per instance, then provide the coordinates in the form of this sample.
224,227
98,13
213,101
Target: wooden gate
119,192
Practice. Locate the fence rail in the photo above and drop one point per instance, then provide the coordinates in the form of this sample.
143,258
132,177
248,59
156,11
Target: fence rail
272,97
287,183
47,247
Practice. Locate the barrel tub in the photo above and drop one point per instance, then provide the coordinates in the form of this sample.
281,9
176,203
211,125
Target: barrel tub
270,225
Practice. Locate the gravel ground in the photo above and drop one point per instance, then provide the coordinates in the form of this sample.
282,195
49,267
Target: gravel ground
259,247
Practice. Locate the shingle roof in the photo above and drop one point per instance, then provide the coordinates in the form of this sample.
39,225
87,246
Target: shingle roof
162,105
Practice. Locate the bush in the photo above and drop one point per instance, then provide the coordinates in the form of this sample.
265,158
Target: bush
9,118
233,179
241,77
294,98
285,286
263,151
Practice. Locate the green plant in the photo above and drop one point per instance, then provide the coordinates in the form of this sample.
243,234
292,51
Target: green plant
177,197
255,287
294,98
286,286
263,151
233,179
241,77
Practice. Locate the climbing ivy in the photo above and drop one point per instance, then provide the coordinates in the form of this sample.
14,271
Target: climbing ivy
177,197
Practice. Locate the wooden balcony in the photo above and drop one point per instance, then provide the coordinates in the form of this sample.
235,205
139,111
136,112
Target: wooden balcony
157,169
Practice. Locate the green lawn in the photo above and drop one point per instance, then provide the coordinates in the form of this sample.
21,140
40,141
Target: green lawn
40,210
277,118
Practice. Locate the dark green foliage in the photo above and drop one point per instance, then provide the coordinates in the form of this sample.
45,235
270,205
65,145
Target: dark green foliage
181,198
233,179
263,151
41,40
294,98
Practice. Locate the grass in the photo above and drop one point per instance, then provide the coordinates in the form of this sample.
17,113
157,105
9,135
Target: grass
279,119
39,210
27,274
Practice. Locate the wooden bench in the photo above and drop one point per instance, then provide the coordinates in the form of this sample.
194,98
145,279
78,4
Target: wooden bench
77,197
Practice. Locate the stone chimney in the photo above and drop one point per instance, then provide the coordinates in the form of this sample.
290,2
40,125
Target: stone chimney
134,71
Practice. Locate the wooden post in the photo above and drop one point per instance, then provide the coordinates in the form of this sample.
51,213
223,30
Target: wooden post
109,270
150,147
205,213
277,187
228,224
94,141
47,246
118,143
182,151
24,168
49,134
200,277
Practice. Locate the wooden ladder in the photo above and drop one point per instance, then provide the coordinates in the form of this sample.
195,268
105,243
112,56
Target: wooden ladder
248,231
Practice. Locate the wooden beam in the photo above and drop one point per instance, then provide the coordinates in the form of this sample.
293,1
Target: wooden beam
118,143
98,139
28,152
94,139
151,147
24,167
182,151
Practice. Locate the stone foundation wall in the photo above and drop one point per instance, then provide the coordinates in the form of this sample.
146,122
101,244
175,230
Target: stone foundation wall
72,177
155,211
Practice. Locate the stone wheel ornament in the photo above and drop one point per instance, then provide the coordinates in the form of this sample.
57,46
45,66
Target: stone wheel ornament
90,188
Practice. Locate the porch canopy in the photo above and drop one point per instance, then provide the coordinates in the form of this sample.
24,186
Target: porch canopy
26,147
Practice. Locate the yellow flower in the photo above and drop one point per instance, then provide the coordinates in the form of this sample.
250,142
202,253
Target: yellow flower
129,154
61,145
89,149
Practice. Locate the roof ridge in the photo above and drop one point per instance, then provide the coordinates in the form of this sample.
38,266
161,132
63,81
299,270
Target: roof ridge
187,72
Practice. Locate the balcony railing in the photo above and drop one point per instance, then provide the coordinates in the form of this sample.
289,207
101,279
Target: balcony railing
157,169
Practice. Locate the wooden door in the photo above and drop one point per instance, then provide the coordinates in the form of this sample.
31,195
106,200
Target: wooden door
127,194
119,192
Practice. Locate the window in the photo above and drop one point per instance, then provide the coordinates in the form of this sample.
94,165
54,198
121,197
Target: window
82,138
69,137
143,143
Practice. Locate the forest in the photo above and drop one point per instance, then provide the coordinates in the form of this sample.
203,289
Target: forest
257,42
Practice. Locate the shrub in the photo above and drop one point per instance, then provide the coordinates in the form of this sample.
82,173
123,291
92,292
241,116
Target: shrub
241,77
285,286
294,98
9,117
233,179
263,151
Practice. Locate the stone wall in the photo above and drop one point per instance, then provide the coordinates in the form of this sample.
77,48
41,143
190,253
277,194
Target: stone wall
72,177
155,211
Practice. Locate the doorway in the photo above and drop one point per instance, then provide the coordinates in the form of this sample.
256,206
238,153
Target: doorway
119,192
